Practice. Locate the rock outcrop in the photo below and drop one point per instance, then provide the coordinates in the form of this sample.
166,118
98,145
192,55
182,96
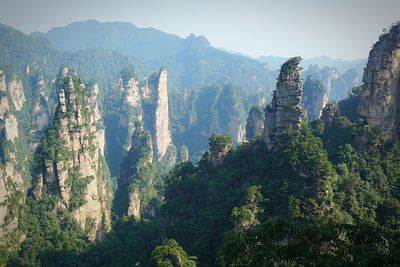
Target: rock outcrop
71,158
219,147
379,100
337,85
330,112
12,187
162,134
41,110
255,123
314,97
285,111
138,173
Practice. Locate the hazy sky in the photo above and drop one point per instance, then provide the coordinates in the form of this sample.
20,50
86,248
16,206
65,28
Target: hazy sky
337,28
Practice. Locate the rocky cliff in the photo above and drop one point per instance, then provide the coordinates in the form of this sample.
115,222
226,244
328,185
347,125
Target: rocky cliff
314,98
337,85
329,113
12,161
138,174
219,147
379,100
255,123
162,135
131,108
43,107
71,164
285,111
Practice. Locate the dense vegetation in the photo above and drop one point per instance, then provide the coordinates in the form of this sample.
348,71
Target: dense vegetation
195,116
321,198
328,195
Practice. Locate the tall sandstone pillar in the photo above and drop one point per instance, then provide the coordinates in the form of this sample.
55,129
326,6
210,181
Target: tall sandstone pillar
285,111
379,99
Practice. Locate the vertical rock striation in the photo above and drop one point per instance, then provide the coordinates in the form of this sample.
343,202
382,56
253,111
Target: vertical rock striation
161,115
314,97
330,112
255,123
12,187
138,173
285,111
72,166
379,99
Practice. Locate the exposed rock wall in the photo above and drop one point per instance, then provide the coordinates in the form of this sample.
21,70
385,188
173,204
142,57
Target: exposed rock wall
12,188
79,146
285,111
255,123
137,175
162,134
379,99
337,85
40,111
219,147
314,97
330,112
17,93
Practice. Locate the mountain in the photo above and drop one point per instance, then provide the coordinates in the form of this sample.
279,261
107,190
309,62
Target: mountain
192,61
70,161
321,192
18,50
274,62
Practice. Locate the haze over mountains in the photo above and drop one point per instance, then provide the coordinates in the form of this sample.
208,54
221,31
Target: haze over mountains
191,60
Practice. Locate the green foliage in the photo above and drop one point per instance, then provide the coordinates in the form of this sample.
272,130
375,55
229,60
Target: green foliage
246,215
283,243
139,174
220,142
289,67
130,243
172,255
212,109
77,185
53,237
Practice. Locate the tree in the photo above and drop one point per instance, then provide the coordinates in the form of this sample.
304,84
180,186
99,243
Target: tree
172,255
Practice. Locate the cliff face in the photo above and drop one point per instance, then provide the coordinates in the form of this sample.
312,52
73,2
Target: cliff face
314,98
131,109
138,173
42,109
255,123
379,99
219,147
337,85
71,157
330,112
285,111
12,188
162,134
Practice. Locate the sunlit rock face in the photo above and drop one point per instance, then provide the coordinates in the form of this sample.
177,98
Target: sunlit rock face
285,111
79,158
12,188
379,99
162,132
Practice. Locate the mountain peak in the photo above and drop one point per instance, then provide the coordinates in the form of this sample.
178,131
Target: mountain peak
192,38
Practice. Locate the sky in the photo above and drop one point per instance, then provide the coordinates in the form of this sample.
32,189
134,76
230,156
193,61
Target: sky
337,28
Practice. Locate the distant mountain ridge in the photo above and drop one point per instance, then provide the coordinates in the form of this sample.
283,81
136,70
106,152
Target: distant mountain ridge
192,62
274,62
